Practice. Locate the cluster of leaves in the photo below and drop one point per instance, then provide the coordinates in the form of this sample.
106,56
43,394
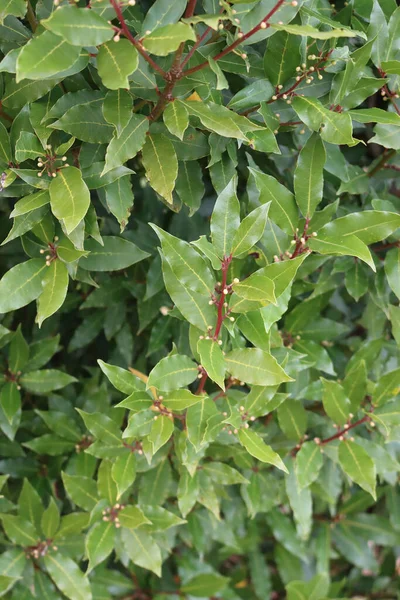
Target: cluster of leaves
204,400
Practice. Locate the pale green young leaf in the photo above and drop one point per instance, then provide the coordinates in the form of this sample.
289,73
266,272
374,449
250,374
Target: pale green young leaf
220,119
123,380
309,31
119,199
255,366
375,115
164,40
257,287
19,531
212,360
50,521
117,109
387,387
333,127
172,372
250,230
292,418
163,12
142,549
180,400
358,465
176,118
45,56
336,403
132,517
30,203
45,380
124,471
308,176
115,61
12,7
21,284
26,223
257,448
99,543
161,431
86,122
350,245
79,26
69,197
55,287
283,210
187,264
28,147
67,576
161,164
309,461
225,220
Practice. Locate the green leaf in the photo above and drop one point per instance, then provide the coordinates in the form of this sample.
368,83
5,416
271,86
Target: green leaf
223,474
132,517
50,520
281,57
119,198
392,270
336,403
250,230
81,490
309,461
19,531
283,210
180,400
30,506
26,223
19,352
257,448
309,31
391,67
387,415
172,372
46,380
12,7
55,286
10,401
375,115
5,147
225,220
115,61
161,164
176,118
117,109
187,265
86,122
121,379
67,576
124,471
387,136
45,56
292,418
164,40
142,550
161,431
333,127
308,176
387,387
369,226
69,197
255,366
161,13
189,184
358,465
116,253
212,360
79,26
21,284
220,119
342,245
30,203
257,287
208,584
99,543
128,143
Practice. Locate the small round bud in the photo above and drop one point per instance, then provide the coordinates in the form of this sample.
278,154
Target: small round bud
199,376
240,35
244,56
314,234
312,68
220,26
351,416
236,280
40,164
280,86
219,342
280,22
288,102
210,302
48,146
116,38
54,174
252,418
274,97
225,414
320,76
237,21
309,80
298,69
277,115
303,240
39,174
232,319
284,96
131,2
298,78
56,238
341,438
64,158
302,131
263,25
303,65
225,304
225,292
294,3
148,32
235,431
241,408
42,251
242,383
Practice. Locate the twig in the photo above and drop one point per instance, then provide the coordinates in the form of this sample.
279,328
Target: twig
30,15
133,41
381,163
264,24
191,7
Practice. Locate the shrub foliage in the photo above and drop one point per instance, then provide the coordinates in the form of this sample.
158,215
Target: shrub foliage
200,391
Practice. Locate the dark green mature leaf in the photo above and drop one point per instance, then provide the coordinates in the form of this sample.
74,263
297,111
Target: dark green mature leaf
115,62
172,372
161,164
204,585
68,576
358,465
114,254
255,366
257,448
45,56
225,220
308,178
69,197
164,40
21,285
283,210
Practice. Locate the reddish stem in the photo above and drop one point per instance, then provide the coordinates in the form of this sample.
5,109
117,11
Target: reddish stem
133,41
191,6
344,431
239,41
194,47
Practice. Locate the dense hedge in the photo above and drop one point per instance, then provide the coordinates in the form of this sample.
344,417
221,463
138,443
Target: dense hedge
199,299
